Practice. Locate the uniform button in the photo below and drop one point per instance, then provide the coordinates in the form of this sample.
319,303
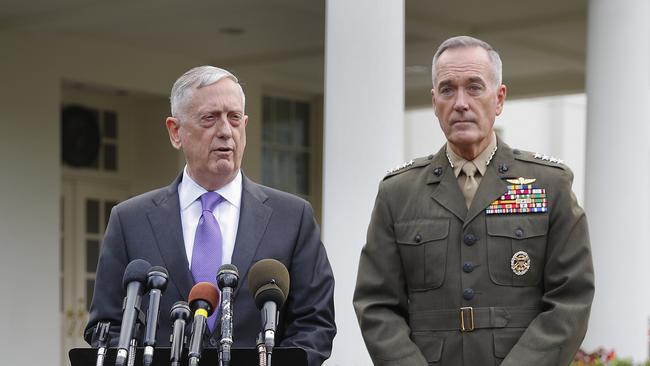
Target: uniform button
437,171
469,239
468,267
418,238
213,342
519,233
503,168
516,151
430,157
468,294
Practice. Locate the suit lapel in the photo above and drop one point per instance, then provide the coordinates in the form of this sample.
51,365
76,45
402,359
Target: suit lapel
492,185
447,193
165,219
253,219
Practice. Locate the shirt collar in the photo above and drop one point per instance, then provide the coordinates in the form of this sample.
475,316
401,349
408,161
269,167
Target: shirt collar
481,161
189,191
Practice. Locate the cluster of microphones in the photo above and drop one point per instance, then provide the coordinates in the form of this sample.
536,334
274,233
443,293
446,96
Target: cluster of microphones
268,282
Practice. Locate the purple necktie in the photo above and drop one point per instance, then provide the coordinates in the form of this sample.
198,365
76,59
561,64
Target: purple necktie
206,255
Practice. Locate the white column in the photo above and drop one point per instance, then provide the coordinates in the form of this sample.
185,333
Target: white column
30,191
363,137
617,174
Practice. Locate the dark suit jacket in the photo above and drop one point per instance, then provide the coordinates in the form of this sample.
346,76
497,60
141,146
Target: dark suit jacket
427,255
272,224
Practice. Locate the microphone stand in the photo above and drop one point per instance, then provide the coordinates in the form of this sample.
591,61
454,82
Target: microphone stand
133,344
261,350
103,337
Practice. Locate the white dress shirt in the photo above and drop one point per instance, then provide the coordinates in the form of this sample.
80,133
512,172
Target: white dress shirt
226,213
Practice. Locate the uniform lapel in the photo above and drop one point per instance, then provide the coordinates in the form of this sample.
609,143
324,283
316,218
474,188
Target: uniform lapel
253,219
165,219
447,193
492,185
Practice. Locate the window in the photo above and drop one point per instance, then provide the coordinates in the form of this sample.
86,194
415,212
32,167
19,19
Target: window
286,145
89,138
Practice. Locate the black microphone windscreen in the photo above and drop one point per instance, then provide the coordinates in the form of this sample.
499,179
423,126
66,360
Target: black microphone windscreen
157,278
268,271
158,271
137,270
180,310
228,276
269,292
228,267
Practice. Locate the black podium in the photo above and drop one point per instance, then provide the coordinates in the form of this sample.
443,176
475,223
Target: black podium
209,357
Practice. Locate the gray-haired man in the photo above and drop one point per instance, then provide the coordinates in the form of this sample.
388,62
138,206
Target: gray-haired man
208,124
478,254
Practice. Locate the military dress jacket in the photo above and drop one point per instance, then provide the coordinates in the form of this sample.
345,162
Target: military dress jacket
441,284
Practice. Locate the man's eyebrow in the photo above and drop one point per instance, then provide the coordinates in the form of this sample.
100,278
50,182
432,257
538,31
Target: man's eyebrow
476,79
445,82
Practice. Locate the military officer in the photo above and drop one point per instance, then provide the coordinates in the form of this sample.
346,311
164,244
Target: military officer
478,254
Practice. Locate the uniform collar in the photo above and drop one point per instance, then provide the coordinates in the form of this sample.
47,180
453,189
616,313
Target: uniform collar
481,161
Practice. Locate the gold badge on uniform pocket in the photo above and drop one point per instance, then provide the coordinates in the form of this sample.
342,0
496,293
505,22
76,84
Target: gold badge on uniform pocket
520,263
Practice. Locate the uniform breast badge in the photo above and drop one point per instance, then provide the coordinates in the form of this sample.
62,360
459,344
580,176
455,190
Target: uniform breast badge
522,197
520,263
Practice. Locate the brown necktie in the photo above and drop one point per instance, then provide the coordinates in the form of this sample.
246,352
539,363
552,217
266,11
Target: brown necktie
471,185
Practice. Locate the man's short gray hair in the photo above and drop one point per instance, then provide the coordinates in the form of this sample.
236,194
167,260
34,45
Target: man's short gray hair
468,42
197,77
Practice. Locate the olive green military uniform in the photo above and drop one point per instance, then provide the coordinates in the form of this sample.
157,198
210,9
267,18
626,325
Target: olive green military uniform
428,256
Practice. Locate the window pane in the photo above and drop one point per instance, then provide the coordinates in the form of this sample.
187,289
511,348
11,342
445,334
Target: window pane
301,124
92,216
110,157
110,124
285,163
267,166
268,126
92,255
108,205
283,121
302,173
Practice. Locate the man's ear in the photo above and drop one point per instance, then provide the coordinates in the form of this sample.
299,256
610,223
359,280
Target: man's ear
501,98
433,102
173,127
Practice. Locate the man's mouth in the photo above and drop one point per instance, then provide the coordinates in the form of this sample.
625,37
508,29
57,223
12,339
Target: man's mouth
462,121
223,149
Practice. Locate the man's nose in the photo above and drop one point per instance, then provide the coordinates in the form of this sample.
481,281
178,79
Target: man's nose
460,104
224,129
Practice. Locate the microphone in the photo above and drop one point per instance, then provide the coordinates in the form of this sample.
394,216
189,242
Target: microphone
156,283
134,278
103,336
180,313
204,299
268,281
227,279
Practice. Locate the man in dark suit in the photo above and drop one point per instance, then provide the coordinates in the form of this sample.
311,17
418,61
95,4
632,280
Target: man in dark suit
255,222
479,254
